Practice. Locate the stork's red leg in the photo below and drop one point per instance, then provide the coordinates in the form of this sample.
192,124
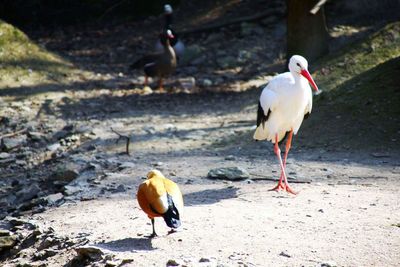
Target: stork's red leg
277,151
288,146
283,183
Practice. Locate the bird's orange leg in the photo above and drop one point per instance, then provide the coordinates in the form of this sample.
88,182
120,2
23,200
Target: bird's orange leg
160,85
146,80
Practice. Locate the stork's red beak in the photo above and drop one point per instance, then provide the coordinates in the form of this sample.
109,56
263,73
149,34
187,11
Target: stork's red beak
307,75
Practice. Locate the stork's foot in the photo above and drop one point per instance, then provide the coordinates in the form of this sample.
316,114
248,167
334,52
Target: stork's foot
285,187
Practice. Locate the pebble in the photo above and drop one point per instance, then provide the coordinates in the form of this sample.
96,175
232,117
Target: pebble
284,254
172,263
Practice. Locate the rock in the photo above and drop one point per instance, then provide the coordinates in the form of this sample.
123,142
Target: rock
65,173
147,90
5,155
4,232
46,243
111,263
204,260
53,147
149,129
230,157
7,242
206,82
53,199
28,193
47,253
188,83
172,263
71,190
121,188
127,165
36,136
230,173
9,143
328,264
92,253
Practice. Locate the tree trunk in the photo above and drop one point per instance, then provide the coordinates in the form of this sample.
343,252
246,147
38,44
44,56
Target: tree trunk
307,34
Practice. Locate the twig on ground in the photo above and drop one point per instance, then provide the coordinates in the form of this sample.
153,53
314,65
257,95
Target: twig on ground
267,178
121,136
13,133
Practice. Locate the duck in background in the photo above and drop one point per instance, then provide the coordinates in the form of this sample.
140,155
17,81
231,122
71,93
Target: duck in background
176,43
161,197
160,64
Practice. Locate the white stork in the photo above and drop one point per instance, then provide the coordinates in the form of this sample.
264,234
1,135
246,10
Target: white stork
284,103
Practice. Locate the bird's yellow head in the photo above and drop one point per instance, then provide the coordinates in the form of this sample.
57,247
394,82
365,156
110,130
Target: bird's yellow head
154,173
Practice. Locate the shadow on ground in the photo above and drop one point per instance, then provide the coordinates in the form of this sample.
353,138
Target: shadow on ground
210,196
127,244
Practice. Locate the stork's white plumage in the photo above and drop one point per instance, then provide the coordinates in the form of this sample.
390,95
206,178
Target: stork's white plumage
283,104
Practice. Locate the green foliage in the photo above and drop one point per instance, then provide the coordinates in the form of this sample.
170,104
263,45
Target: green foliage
363,56
22,62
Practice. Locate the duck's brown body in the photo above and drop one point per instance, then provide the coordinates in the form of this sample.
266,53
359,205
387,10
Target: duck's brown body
160,197
160,64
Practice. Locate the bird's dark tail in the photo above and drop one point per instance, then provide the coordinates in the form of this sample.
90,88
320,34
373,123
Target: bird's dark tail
171,217
138,64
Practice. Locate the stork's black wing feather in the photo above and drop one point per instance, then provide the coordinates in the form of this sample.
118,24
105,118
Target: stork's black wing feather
261,118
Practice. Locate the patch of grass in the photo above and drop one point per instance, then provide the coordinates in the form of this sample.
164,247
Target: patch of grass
360,106
23,63
378,48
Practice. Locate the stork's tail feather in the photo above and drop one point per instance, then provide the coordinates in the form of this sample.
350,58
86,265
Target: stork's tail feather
262,133
171,217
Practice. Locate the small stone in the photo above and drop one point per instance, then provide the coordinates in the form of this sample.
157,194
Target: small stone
65,174
121,188
36,136
54,199
111,263
172,263
158,164
147,90
284,254
4,155
71,190
206,82
9,143
92,253
321,210
7,242
53,147
204,260
230,173
230,157
328,264
127,165
187,83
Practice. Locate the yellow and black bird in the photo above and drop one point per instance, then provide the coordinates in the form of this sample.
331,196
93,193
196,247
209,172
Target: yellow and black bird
161,197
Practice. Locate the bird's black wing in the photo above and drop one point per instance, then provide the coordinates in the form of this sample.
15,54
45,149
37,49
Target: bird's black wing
141,62
261,117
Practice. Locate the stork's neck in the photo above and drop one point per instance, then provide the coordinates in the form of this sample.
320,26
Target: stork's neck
298,79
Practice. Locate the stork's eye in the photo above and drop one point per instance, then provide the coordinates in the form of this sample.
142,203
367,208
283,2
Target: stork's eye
298,64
